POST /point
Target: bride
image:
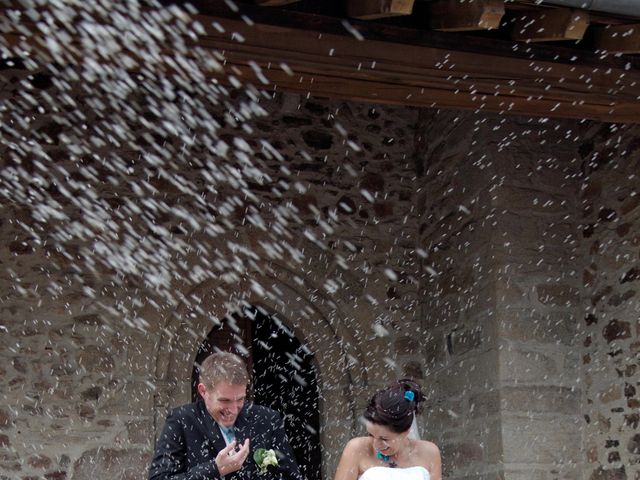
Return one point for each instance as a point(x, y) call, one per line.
point(393, 450)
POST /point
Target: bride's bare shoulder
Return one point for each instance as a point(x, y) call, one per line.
point(358, 444)
point(358, 447)
point(428, 447)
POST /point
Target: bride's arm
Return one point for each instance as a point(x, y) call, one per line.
point(349, 466)
point(435, 462)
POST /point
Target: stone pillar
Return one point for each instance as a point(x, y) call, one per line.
point(458, 301)
point(501, 296)
point(536, 246)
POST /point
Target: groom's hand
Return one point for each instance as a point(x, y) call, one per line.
point(230, 459)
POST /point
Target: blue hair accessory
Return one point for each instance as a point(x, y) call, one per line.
point(409, 395)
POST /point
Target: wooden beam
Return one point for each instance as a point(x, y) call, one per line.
point(274, 3)
point(550, 24)
point(341, 66)
point(317, 56)
point(460, 15)
point(372, 9)
point(618, 38)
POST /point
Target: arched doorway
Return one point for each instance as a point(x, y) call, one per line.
point(283, 376)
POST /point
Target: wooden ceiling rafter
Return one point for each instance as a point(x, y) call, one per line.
point(534, 22)
point(618, 38)
point(323, 62)
point(313, 55)
point(454, 16)
point(551, 25)
point(375, 9)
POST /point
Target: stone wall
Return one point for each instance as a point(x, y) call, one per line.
point(610, 326)
point(122, 248)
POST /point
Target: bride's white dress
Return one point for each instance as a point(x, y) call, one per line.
point(388, 473)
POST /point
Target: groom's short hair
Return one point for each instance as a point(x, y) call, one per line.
point(223, 366)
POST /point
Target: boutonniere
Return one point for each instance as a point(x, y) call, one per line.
point(264, 458)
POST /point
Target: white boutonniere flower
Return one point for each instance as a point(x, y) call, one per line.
point(264, 458)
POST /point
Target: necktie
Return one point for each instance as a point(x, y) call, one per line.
point(228, 433)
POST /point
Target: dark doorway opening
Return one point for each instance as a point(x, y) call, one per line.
point(283, 377)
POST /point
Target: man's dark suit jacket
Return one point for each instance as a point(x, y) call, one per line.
point(191, 440)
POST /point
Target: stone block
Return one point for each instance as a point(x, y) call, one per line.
point(379, 369)
point(474, 373)
point(383, 210)
point(492, 439)
point(611, 394)
point(511, 473)
point(95, 359)
point(616, 330)
point(462, 454)
point(465, 340)
point(632, 421)
point(56, 475)
point(6, 418)
point(592, 454)
point(543, 440)
point(92, 393)
point(558, 295)
point(139, 352)
point(66, 387)
point(484, 404)
point(602, 473)
point(317, 139)
point(566, 472)
point(126, 397)
point(618, 299)
point(334, 436)
point(412, 369)
point(634, 444)
point(513, 294)
point(443, 418)
point(334, 405)
point(522, 366)
point(540, 399)
point(408, 344)
point(124, 464)
point(339, 432)
point(526, 263)
point(442, 310)
point(630, 204)
point(140, 431)
point(529, 325)
point(40, 462)
point(435, 352)
point(87, 320)
point(532, 203)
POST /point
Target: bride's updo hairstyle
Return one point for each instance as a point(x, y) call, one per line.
point(395, 405)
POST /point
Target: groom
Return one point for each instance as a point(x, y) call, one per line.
point(216, 436)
